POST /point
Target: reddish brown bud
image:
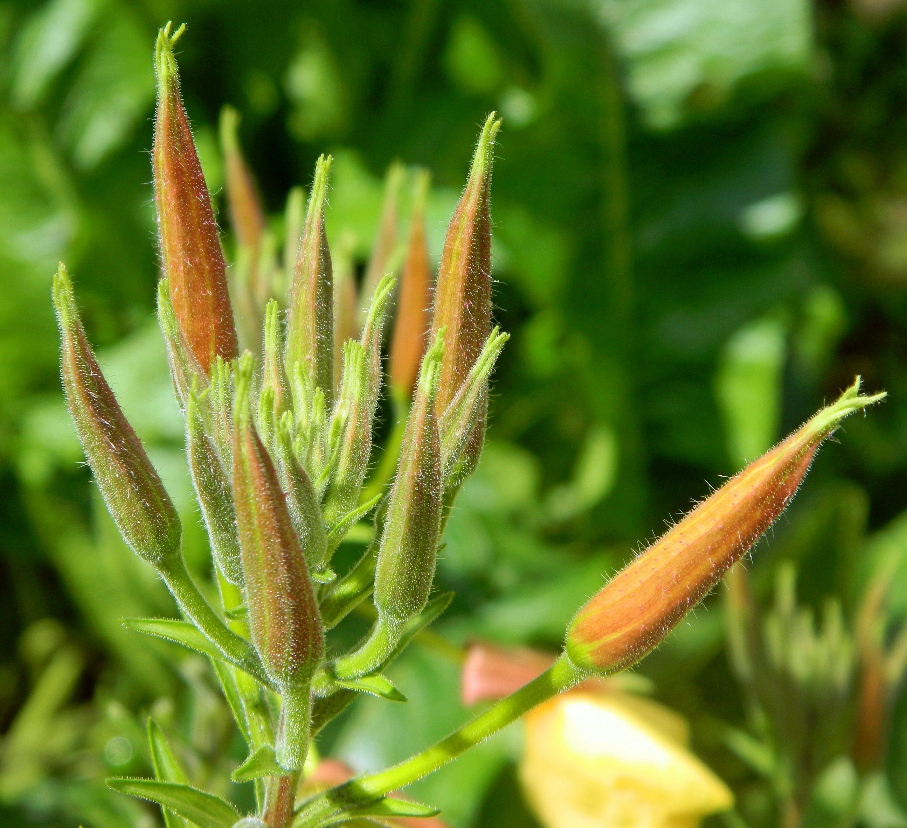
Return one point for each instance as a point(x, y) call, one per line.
point(247, 217)
point(379, 263)
point(283, 613)
point(414, 309)
point(190, 246)
point(128, 482)
point(643, 602)
point(463, 293)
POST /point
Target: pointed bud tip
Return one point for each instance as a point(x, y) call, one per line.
point(229, 126)
point(481, 162)
point(164, 61)
point(826, 420)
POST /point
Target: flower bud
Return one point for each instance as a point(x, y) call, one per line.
point(274, 394)
point(643, 602)
point(246, 214)
point(212, 488)
point(351, 424)
point(190, 246)
point(184, 368)
point(386, 239)
point(130, 486)
point(414, 307)
point(310, 332)
point(463, 293)
point(409, 543)
point(346, 313)
point(283, 613)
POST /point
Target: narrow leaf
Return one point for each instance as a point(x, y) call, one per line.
point(374, 686)
point(204, 809)
point(261, 762)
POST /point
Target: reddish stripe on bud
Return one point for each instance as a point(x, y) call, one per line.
point(414, 314)
point(463, 293)
point(190, 245)
point(131, 488)
point(283, 613)
point(643, 602)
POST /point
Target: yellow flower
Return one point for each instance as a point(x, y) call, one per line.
point(605, 759)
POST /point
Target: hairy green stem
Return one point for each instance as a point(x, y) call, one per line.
point(373, 653)
point(562, 675)
point(344, 595)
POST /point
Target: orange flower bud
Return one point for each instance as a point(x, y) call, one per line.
point(246, 214)
point(643, 602)
point(385, 239)
point(190, 246)
point(463, 293)
point(414, 313)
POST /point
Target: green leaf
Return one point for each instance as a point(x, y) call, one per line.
point(204, 809)
point(180, 632)
point(374, 686)
point(227, 679)
point(343, 525)
point(432, 610)
point(391, 808)
point(261, 762)
point(166, 767)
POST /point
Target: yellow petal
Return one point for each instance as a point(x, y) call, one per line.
point(607, 760)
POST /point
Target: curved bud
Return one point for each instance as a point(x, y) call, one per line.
point(310, 331)
point(414, 309)
point(643, 602)
point(283, 613)
point(212, 487)
point(463, 293)
point(131, 488)
point(190, 246)
point(409, 543)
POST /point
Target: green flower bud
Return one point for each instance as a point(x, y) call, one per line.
point(191, 254)
point(310, 331)
point(463, 293)
point(212, 488)
point(131, 488)
point(302, 499)
point(283, 613)
point(642, 603)
point(184, 368)
point(351, 423)
point(414, 308)
point(462, 424)
point(409, 543)
point(274, 394)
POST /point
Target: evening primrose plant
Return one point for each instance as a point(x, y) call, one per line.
point(280, 410)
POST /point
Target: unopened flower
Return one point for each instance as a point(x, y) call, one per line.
point(409, 543)
point(643, 602)
point(606, 759)
point(283, 611)
point(414, 306)
point(310, 329)
point(191, 254)
point(131, 488)
point(380, 261)
point(246, 214)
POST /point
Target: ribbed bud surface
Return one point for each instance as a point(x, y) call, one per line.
point(310, 331)
point(189, 242)
point(644, 601)
point(131, 488)
point(463, 293)
point(283, 613)
point(409, 544)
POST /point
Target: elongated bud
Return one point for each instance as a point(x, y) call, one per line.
point(212, 487)
point(190, 246)
point(346, 321)
point(247, 217)
point(310, 333)
point(302, 499)
point(294, 226)
point(463, 423)
point(463, 293)
point(351, 425)
point(409, 544)
point(274, 392)
point(414, 307)
point(184, 368)
point(386, 239)
point(283, 613)
point(644, 601)
point(130, 486)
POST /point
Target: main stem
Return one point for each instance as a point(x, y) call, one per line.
point(562, 675)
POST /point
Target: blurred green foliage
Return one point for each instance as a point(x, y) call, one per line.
point(700, 215)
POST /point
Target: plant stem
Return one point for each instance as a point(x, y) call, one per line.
point(372, 654)
point(281, 795)
point(198, 610)
point(562, 675)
